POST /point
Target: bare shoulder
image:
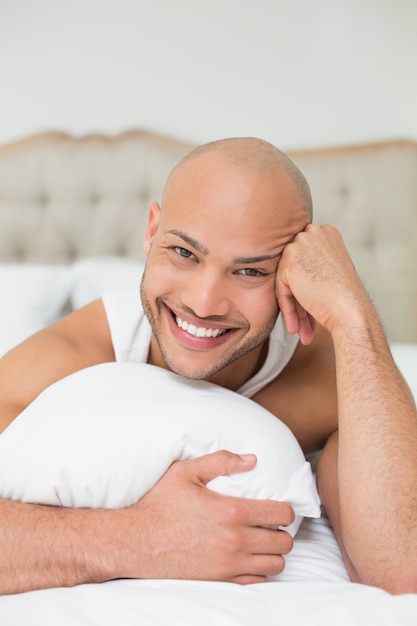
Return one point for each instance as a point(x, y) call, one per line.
point(304, 394)
point(79, 340)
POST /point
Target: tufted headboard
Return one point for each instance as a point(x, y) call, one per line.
point(63, 198)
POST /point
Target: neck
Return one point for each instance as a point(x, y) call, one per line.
point(236, 374)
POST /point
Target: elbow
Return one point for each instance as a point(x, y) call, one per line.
point(403, 584)
point(396, 581)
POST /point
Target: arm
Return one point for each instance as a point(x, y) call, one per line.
point(79, 340)
point(179, 529)
point(34, 538)
point(377, 463)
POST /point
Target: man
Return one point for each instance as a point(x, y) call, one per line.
point(232, 256)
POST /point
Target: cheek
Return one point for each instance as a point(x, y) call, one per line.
point(160, 277)
point(260, 306)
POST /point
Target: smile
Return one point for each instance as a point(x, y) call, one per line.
point(199, 331)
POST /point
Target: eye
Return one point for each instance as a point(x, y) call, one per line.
point(183, 252)
point(250, 271)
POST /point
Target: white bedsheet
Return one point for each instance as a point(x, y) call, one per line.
point(314, 590)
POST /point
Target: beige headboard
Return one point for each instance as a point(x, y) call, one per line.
point(63, 198)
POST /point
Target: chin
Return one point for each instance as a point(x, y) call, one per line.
point(190, 368)
point(191, 371)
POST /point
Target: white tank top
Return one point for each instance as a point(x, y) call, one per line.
point(131, 335)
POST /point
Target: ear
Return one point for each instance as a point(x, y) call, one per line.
point(153, 221)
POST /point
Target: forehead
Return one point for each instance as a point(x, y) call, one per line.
point(211, 198)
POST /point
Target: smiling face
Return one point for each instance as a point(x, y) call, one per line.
point(213, 250)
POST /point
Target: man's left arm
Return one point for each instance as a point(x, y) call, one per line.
point(372, 501)
point(375, 453)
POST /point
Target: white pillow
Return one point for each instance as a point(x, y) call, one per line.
point(33, 296)
point(103, 436)
point(93, 276)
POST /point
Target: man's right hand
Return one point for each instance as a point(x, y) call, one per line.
point(181, 529)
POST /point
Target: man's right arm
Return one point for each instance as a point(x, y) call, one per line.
point(30, 540)
point(79, 340)
point(179, 529)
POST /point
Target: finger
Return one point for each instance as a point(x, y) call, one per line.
point(206, 468)
point(306, 325)
point(266, 541)
point(290, 316)
point(288, 305)
point(265, 515)
point(246, 579)
point(296, 318)
point(260, 568)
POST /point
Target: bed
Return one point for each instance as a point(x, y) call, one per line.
point(72, 216)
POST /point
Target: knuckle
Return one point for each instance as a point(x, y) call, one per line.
point(230, 542)
point(232, 514)
point(227, 462)
point(224, 456)
point(226, 546)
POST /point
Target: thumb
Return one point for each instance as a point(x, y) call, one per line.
point(220, 463)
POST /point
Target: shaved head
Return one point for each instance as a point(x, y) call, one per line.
point(252, 155)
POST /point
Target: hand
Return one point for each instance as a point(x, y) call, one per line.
point(316, 281)
point(181, 529)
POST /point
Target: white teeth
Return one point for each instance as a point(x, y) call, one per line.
point(200, 331)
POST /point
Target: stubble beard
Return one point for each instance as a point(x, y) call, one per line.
point(229, 357)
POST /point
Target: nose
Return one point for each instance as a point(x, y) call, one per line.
point(207, 294)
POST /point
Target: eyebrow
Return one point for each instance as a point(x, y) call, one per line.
point(191, 242)
point(237, 260)
point(256, 259)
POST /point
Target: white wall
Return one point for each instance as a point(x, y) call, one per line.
point(299, 73)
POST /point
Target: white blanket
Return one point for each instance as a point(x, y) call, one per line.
point(313, 591)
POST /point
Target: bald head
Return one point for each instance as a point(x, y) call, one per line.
point(256, 156)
